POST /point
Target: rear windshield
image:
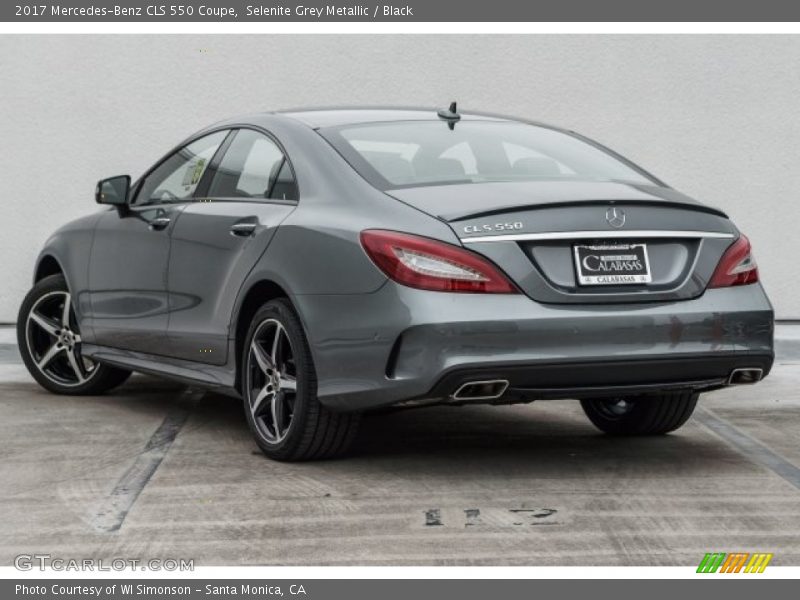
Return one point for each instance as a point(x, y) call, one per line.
point(413, 153)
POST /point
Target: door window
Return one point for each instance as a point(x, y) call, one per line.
point(176, 179)
point(253, 168)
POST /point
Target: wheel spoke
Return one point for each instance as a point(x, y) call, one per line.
point(278, 415)
point(65, 311)
point(75, 364)
point(48, 356)
point(258, 403)
point(45, 323)
point(261, 357)
point(288, 383)
point(276, 342)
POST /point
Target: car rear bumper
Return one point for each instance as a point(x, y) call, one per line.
point(399, 344)
point(603, 378)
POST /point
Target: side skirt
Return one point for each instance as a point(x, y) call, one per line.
point(220, 379)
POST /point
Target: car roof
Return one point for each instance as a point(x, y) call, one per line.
point(338, 116)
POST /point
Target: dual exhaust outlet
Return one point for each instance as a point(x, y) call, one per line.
point(745, 376)
point(492, 389)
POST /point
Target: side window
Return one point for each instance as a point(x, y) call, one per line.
point(253, 167)
point(284, 186)
point(177, 177)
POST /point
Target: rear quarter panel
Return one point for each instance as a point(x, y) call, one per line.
point(317, 250)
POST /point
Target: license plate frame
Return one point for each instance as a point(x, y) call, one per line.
point(612, 264)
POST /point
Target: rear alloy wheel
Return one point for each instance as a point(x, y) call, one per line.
point(280, 391)
point(272, 381)
point(50, 343)
point(643, 415)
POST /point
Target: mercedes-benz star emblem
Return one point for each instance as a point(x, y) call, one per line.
point(615, 217)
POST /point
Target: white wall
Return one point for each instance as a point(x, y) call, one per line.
point(717, 117)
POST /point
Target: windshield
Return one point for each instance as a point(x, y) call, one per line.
point(413, 153)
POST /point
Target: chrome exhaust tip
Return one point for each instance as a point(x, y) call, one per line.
point(481, 390)
point(745, 376)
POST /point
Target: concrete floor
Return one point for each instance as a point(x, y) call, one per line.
point(529, 485)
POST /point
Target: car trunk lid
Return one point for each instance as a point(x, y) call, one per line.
point(540, 233)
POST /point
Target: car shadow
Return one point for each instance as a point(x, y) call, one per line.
point(489, 447)
point(545, 439)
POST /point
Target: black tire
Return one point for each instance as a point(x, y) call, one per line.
point(646, 415)
point(313, 432)
point(53, 291)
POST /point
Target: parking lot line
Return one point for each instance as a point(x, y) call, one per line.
point(750, 447)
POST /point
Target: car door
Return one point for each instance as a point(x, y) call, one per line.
point(130, 252)
point(218, 238)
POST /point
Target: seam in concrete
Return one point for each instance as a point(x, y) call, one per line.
point(750, 447)
point(111, 514)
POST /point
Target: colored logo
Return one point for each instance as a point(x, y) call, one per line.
point(736, 562)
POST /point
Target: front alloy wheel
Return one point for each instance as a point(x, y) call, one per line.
point(54, 342)
point(50, 343)
point(279, 387)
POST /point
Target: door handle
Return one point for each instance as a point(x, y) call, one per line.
point(243, 229)
point(159, 223)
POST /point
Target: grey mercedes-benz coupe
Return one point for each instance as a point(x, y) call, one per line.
point(321, 263)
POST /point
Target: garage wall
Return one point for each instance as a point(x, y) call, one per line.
point(717, 117)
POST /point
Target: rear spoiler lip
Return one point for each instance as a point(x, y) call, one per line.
point(460, 216)
point(599, 234)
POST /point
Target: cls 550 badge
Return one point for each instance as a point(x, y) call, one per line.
point(489, 227)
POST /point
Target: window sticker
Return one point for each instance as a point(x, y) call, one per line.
point(194, 172)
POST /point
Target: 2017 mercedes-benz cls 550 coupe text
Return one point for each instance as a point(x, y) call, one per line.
point(318, 264)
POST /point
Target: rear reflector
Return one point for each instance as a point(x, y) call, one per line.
point(428, 264)
point(736, 267)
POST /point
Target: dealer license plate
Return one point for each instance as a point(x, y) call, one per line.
point(617, 264)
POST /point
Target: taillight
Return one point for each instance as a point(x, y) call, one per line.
point(736, 267)
point(428, 264)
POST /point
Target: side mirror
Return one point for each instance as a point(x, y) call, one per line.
point(113, 191)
